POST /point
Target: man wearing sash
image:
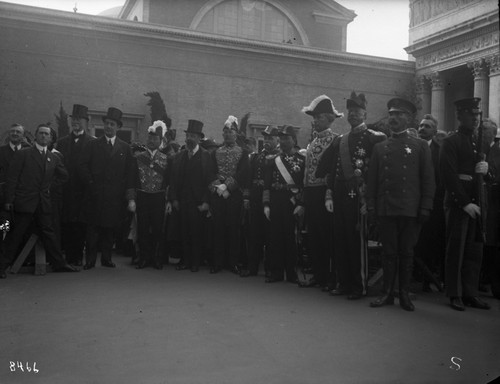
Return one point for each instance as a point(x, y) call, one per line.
point(400, 192)
point(346, 199)
point(148, 198)
point(319, 222)
point(282, 200)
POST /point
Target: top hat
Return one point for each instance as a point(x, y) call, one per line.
point(287, 130)
point(470, 105)
point(401, 105)
point(114, 114)
point(80, 112)
point(195, 126)
point(321, 104)
point(271, 130)
point(357, 101)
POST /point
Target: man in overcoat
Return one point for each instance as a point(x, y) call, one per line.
point(72, 148)
point(106, 170)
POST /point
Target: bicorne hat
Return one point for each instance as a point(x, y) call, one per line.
point(357, 101)
point(321, 104)
point(80, 112)
point(470, 105)
point(114, 114)
point(195, 126)
point(287, 130)
point(271, 130)
point(401, 105)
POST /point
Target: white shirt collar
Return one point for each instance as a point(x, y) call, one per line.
point(40, 148)
point(113, 139)
point(195, 149)
point(152, 153)
point(13, 147)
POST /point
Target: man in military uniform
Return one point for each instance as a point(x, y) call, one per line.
point(346, 199)
point(319, 222)
point(259, 226)
point(400, 191)
point(148, 198)
point(460, 167)
point(72, 147)
point(282, 200)
point(232, 168)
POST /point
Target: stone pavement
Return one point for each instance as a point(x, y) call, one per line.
point(148, 326)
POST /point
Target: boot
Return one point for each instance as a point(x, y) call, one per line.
point(405, 271)
point(387, 298)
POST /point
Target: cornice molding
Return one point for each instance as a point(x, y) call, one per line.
point(328, 18)
point(21, 16)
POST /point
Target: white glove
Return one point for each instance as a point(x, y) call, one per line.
point(131, 206)
point(221, 188)
point(267, 213)
point(481, 167)
point(472, 210)
point(329, 205)
point(299, 210)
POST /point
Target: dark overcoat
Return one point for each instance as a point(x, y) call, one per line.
point(107, 175)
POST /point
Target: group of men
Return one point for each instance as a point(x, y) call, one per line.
point(340, 186)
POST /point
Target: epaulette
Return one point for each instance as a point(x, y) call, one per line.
point(378, 133)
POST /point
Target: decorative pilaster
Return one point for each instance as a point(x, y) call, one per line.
point(481, 83)
point(494, 94)
point(438, 98)
point(423, 91)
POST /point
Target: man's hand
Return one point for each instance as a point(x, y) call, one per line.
point(481, 168)
point(221, 188)
point(329, 205)
point(168, 208)
point(225, 194)
point(472, 210)
point(267, 212)
point(203, 207)
point(131, 206)
point(299, 210)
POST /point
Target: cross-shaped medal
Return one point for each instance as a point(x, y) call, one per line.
point(352, 194)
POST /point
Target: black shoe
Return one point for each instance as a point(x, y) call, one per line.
point(66, 268)
point(405, 302)
point(338, 292)
point(158, 265)
point(244, 273)
point(354, 296)
point(141, 265)
point(88, 266)
point(457, 304)
point(475, 302)
point(108, 264)
point(180, 267)
point(195, 269)
point(3, 275)
point(214, 270)
point(235, 269)
point(385, 299)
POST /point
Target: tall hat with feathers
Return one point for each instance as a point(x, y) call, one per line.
point(321, 104)
point(158, 128)
point(231, 123)
point(357, 101)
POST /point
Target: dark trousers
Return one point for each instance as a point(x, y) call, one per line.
point(258, 238)
point(227, 225)
point(398, 235)
point(283, 256)
point(192, 233)
point(463, 254)
point(73, 237)
point(43, 224)
point(150, 211)
point(102, 237)
point(319, 224)
point(350, 249)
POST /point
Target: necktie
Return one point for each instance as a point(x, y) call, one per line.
point(190, 154)
point(110, 145)
point(15, 148)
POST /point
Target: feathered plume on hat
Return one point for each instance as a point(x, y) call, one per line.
point(158, 128)
point(357, 101)
point(231, 123)
point(321, 104)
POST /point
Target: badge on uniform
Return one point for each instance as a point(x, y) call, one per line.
point(408, 150)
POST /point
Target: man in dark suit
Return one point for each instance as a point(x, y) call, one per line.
point(33, 171)
point(400, 192)
point(190, 195)
point(72, 147)
point(106, 170)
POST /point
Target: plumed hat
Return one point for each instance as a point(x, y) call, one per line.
point(114, 114)
point(401, 105)
point(357, 101)
point(271, 130)
point(159, 128)
point(231, 123)
point(321, 104)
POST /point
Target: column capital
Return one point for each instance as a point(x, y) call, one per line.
point(437, 80)
point(478, 68)
point(493, 63)
point(422, 84)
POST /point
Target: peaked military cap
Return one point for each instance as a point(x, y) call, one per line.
point(470, 105)
point(357, 101)
point(401, 105)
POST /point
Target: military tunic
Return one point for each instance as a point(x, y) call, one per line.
point(282, 198)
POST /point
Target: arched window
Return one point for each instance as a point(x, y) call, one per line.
point(250, 19)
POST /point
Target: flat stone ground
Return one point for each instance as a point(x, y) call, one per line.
point(149, 326)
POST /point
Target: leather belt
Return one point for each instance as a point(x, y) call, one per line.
point(463, 177)
point(280, 187)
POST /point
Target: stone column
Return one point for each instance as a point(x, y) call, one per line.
point(423, 91)
point(481, 83)
point(494, 95)
point(438, 99)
